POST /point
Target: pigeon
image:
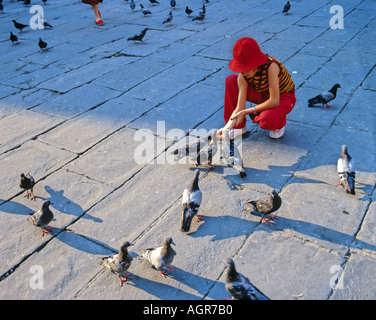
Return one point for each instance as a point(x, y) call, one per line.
point(231, 155)
point(42, 45)
point(200, 17)
point(44, 1)
point(120, 262)
point(19, 26)
point(325, 97)
point(168, 19)
point(132, 5)
point(188, 11)
point(1, 7)
point(208, 152)
point(27, 2)
point(144, 11)
point(192, 197)
point(346, 171)
point(27, 183)
point(160, 257)
point(193, 148)
point(153, 2)
point(173, 4)
point(286, 8)
point(239, 287)
point(266, 206)
point(138, 36)
point(13, 38)
point(42, 217)
point(203, 9)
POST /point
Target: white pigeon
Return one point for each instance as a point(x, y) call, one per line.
point(346, 171)
point(192, 197)
point(160, 257)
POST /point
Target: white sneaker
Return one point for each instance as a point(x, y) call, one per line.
point(237, 132)
point(276, 134)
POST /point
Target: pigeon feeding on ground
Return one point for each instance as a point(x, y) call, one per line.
point(144, 11)
point(42, 45)
point(346, 171)
point(160, 257)
point(266, 206)
point(42, 217)
point(138, 36)
point(200, 17)
point(208, 152)
point(153, 2)
point(19, 26)
point(173, 4)
point(120, 262)
point(192, 198)
point(188, 11)
point(46, 25)
point(27, 183)
point(239, 287)
point(13, 38)
point(286, 8)
point(325, 97)
point(168, 19)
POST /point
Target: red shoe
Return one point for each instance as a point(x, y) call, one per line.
point(99, 22)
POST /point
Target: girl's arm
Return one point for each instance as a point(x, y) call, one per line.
point(273, 100)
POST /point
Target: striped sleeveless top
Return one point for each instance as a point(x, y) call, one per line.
point(259, 82)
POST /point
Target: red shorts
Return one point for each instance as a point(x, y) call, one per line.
point(270, 119)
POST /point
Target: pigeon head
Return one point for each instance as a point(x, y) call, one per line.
point(344, 152)
point(46, 204)
point(169, 241)
point(125, 245)
point(273, 192)
point(22, 175)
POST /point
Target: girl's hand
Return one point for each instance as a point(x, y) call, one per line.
point(239, 116)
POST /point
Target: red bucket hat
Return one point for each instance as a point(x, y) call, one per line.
point(247, 55)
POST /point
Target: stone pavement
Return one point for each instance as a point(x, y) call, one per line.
point(76, 115)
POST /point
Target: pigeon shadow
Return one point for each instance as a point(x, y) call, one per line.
point(164, 291)
point(221, 227)
point(14, 207)
point(66, 205)
point(319, 232)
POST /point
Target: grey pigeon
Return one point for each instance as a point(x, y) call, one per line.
point(160, 257)
point(27, 183)
point(120, 262)
point(266, 206)
point(286, 8)
point(188, 11)
point(192, 148)
point(168, 19)
point(138, 36)
point(239, 287)
point(19, 26)
point(13, 38)
point(346, 171)
point(42, 217)
point(192, 197)
point(42, 45)
point(325, 97)
point(208, 152)
point(200, 17)
point(46, 25)
point(144, 11)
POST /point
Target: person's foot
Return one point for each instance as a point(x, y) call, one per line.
point(99, 22)
point(276, 134)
